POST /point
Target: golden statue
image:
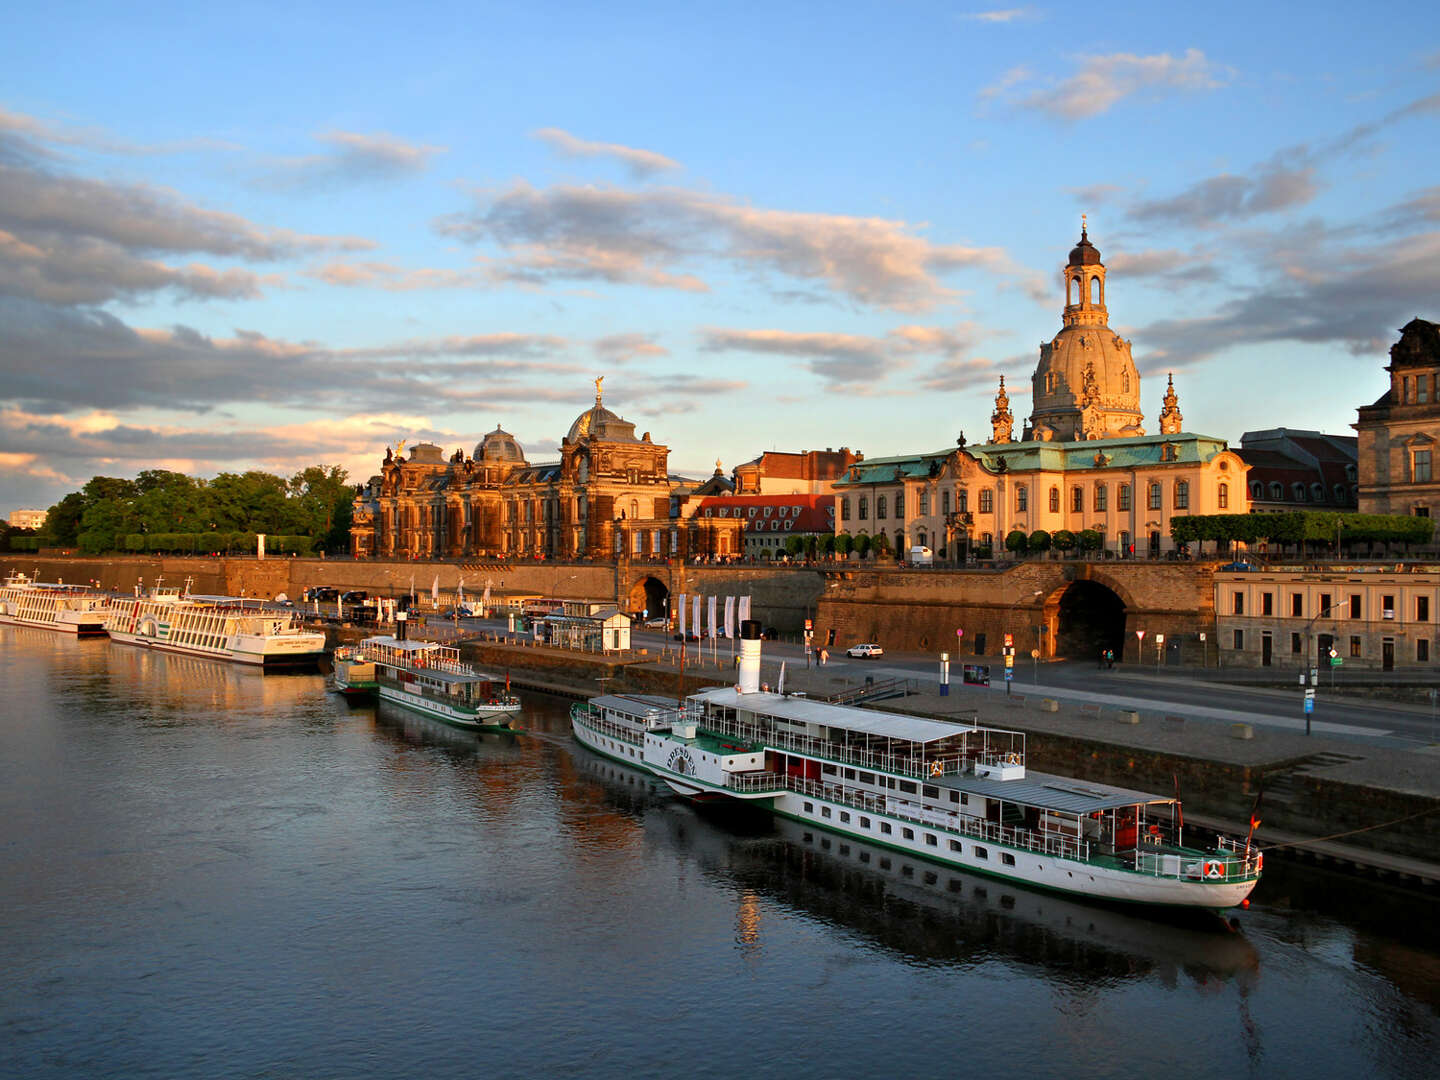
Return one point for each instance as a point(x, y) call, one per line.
point(598, 381)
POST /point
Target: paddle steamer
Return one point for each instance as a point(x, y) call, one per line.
point(70, 609)
point(218, 627)
point(954, 794)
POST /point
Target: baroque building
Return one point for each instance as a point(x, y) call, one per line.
point(609, 493)
point(1399, 435)
point(1084, 461)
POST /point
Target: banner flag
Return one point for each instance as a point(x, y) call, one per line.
point(730, 617)
point(713, 600)
point(681, 609)
point(695, 622)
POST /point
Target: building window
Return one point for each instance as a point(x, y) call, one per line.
point(987, 500)
point(924, 503)
point(1422, 649)
point(1277, 491)
point(1355, 609)
point(1022, 499)
point(1222, 496)
point(945, 502)
point(1102, 498)
point(1077, 500)
point(1182, 494)
point(1295, 643)
point(1297, 605)
point(864, 508)
point(1421, 471)
point(880, 514)
point(899, 506)
point(1239, 640)
point(1054, 500)
point(1237, 603)
point(1387, 607)
point(1257, 491)
point(1123, 497)
point(1155, 496)
point(1324, 605)
point(1267, 603)
point(1422, 389)
point(1422, 609)
point(845, 509)
point(1354, 646)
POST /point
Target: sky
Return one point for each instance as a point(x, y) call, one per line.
point(272, 236)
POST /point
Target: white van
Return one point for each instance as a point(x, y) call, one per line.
point(922, 556)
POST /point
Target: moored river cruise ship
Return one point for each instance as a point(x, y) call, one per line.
point(70, 609)
point(957, 795)
point(218, 627)
point(425, 677)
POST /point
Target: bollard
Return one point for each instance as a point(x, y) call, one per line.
point(1127, 716)
point(1049, 704)
point(1242, 731)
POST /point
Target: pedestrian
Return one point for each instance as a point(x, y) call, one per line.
point(1100, 666)
point(824, 657)
point(1109, 658)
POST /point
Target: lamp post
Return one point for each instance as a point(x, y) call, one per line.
point(1010, 639)
point(1309, 696)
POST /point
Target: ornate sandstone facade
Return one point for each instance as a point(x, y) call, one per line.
point(1399, 448)
point(609, 492)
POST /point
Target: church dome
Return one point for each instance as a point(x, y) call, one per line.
point(591, 421)
point(1084, 253)
point(500, 445)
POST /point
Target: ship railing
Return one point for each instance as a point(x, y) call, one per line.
point(756, 781)
point(1235, 862)
point(595, 719)
point(921, 768)
point(967, 825)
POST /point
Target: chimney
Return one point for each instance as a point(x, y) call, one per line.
point(401, 618)
point(749, 681)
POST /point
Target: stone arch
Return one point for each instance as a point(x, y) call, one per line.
point(1089, 618)
point(648, 594)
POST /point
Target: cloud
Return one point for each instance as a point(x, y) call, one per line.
point(855, 361)
point(392, 278)
point(1274, 187)
point(1007, 15)
point(640, 163)
point(649, 237)
point(1174, 266)
point(622, 348)
point(1104, 81)
point(352, 158)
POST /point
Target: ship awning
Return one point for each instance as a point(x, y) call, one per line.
point(799, 710)
point(1063, 794)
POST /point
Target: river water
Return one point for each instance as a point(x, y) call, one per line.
point(211, 872)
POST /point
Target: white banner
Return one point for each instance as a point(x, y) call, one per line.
point(680, 626)
point(730, 617)
point(695, 622)
point(713, 599)
point(435, 592)
point(744, 608)
point(485, 600)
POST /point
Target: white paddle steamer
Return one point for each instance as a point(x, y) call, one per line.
point(70, 609)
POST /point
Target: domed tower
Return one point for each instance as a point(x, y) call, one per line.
point(500, 446)
point(1086, 385)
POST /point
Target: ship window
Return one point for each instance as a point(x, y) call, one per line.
point(931, 841)
point(844, 817)
point(907, 787)
point(824, 811)
point(1007, 858)
point(884, 863)
point(829, 770)
point(867, 778)
point(955, 845)
point(809, 808)
point(864, 823)
point(908, 834)
point(885, 828)
point(849, 774)
point(981, 853)
point(931, 792)
point(954, 796)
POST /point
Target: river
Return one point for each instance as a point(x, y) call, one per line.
point(212, 872)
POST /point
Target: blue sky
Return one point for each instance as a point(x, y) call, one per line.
point(269, 236)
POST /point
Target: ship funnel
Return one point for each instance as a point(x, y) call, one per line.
point(401, 618)
point(749, 656)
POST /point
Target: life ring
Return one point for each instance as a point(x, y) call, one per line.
point(936, 769)
point(1213, 869)
point(1012, 759)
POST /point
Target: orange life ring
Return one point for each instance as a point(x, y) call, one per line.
point(936, 769)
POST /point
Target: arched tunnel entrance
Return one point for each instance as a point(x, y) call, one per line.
point(1091, 619)
point(649, 595)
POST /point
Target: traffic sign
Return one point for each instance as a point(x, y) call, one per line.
point(1009, 674)
point(1309, 705)
point(1140, 634)
point(1009, 660)
point(1009, 640)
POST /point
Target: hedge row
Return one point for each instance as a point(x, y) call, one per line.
point(203, 542)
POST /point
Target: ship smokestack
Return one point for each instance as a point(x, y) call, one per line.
point(749, 681)
point(401, 618)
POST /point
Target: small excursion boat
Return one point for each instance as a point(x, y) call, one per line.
point(70, 609)
point(431, 679)
point(354, 674)
point(217, 627)
point(954, 794)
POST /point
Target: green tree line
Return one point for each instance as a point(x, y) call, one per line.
point(166, 511)
point(1303, 529)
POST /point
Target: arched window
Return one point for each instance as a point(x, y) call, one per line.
point(1297, 490)
point(634, 508)
point(899, 506)
point(1257, 491)
point(1155, 496)
point(1125, 381)
point(1095, 290)
point(1102, 498)
point(1123, 497)
point(864, 508)
point(924, 503)
point(1340, 493)
point(1182, 494)
point(945, 502)
point(1054, 500)
point(923, 538)
point(1077, 499)
point(1317, 491)
point(1049, 382)
point(1222, 496)
point(1022, 499)
point(962, 500)
point(987, 500)
point(845, 508)
point(1276, 491)
point(880, 508)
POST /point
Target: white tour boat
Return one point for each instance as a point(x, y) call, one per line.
point(70, 609)
point(431, 679)
point(218, 627)
point(957, 795)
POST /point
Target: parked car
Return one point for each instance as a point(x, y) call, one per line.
point(322, 593)
point(690, 635)
point(1238, 566)
point(355, 596)
point(860, 652)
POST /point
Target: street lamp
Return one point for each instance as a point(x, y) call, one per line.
point(1315, 668)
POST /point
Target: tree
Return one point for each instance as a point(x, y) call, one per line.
point(844, 544)
point(794, 545)
point(1016, 541)
point(1064, 540)
point(863, 543)
point(1089, 540)
point(1039, 540)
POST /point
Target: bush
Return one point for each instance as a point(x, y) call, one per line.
point(1064, 540)
point(1016, 541)
point(1089, 540)
point(1039, 540)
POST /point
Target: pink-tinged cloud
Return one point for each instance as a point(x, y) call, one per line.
point(640, 163)
point(1104, 81)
